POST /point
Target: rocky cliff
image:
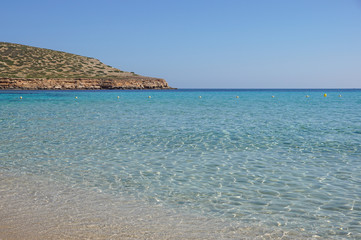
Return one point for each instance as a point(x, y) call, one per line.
point(25, 67)
point(59, 84)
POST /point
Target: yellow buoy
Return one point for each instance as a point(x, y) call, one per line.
point(118, 97)
point(200, 96)
point(237, 97)
point(76, 97)
point(325, 95)
point(273, 96)
point(307, 96)
point(149, 97)
point(340, 95)
point(21, 97)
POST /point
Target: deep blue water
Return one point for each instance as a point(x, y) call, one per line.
point(287, 161)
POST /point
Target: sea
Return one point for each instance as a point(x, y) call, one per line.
point(181, 164)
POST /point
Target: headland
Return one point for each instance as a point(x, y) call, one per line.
point(32, 68)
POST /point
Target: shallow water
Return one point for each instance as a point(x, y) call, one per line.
point(285, 164)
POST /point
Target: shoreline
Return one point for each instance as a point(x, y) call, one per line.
point(34, 207)
point(135, 82)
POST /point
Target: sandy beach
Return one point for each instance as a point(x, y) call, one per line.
point(31, 208)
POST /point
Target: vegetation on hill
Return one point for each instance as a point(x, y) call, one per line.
point(21, 61)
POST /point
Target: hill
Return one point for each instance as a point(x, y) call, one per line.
point(26, 67)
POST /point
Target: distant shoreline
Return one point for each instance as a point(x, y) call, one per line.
point(136, 82)
point(205, 89)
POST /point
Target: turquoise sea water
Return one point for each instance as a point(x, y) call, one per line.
point(287, 162)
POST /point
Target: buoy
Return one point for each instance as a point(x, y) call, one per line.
point(307, 96)
point(76, 97)
point(273, 96)
point(149, 97)
point(118, 97)
point(340, 95)
point(237, 97)
point(325, 95)
point(21, 97)
point(200, 96)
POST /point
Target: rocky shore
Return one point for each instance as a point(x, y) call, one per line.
point(136, 82)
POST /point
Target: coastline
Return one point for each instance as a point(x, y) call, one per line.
point(136, 82)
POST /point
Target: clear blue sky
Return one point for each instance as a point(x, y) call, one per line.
point(202, 43)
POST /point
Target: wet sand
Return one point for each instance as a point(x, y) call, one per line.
point(36, 208)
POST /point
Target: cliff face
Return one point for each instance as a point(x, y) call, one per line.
point(52, 84)
point(26, 67)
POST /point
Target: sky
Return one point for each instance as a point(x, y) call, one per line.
point(202, 43)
